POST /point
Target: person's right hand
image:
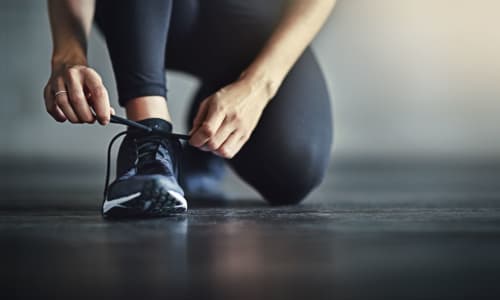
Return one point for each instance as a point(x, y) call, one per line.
point(73, 91)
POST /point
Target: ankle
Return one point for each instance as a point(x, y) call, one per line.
point(147, 107)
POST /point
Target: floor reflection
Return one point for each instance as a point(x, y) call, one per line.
point(318, 252)
point(256, 260)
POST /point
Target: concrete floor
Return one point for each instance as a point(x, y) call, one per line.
point(421, 230)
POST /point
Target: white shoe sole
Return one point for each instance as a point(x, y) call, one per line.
point(152, 201)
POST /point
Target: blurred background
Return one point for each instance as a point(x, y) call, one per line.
point(413, 80)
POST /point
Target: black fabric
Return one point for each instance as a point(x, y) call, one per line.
point(215, 40)
point(136, 33)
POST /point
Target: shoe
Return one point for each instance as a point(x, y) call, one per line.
point(201, 175)
point(146, 182)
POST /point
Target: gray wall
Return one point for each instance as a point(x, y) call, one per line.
point(408, 77)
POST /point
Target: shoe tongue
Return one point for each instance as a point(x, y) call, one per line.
point(155, 123)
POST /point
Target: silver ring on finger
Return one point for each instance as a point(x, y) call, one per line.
point(59, 93)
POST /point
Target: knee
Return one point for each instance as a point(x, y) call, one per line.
point(293, 191)
point(292, 187)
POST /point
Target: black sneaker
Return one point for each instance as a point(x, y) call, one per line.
point(146, 177)
point(201, 176)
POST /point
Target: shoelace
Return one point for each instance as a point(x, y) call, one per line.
point(147, 147)
point(146, 150)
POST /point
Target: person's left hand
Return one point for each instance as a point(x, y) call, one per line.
point(226, 119)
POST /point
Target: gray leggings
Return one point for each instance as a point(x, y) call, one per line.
point(288, 153)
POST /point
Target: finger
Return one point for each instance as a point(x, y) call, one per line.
point(209, 126)
point(51, 106)
point(113, 112)
point(98, 96)
point(60, 114)
point(62, 101)
point(231, 146)
point(77, 98)
point(200, 116)
point(221, 135)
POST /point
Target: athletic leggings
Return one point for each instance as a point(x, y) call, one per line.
point(288, 153)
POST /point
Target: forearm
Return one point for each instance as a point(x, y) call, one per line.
point(70, 22)
point(299, 25)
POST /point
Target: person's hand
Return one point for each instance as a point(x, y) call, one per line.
point(73, 91)
point(226, 119)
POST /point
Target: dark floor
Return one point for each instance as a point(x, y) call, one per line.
point(423, 230)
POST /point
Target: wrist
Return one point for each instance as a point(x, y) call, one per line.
point(68, 58)
point(262, 82)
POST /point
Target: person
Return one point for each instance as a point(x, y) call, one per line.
point(262, 106)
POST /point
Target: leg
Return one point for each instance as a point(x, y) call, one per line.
point(147, 170)
point(293, 139)
point(136, 35)
point(291, 143)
